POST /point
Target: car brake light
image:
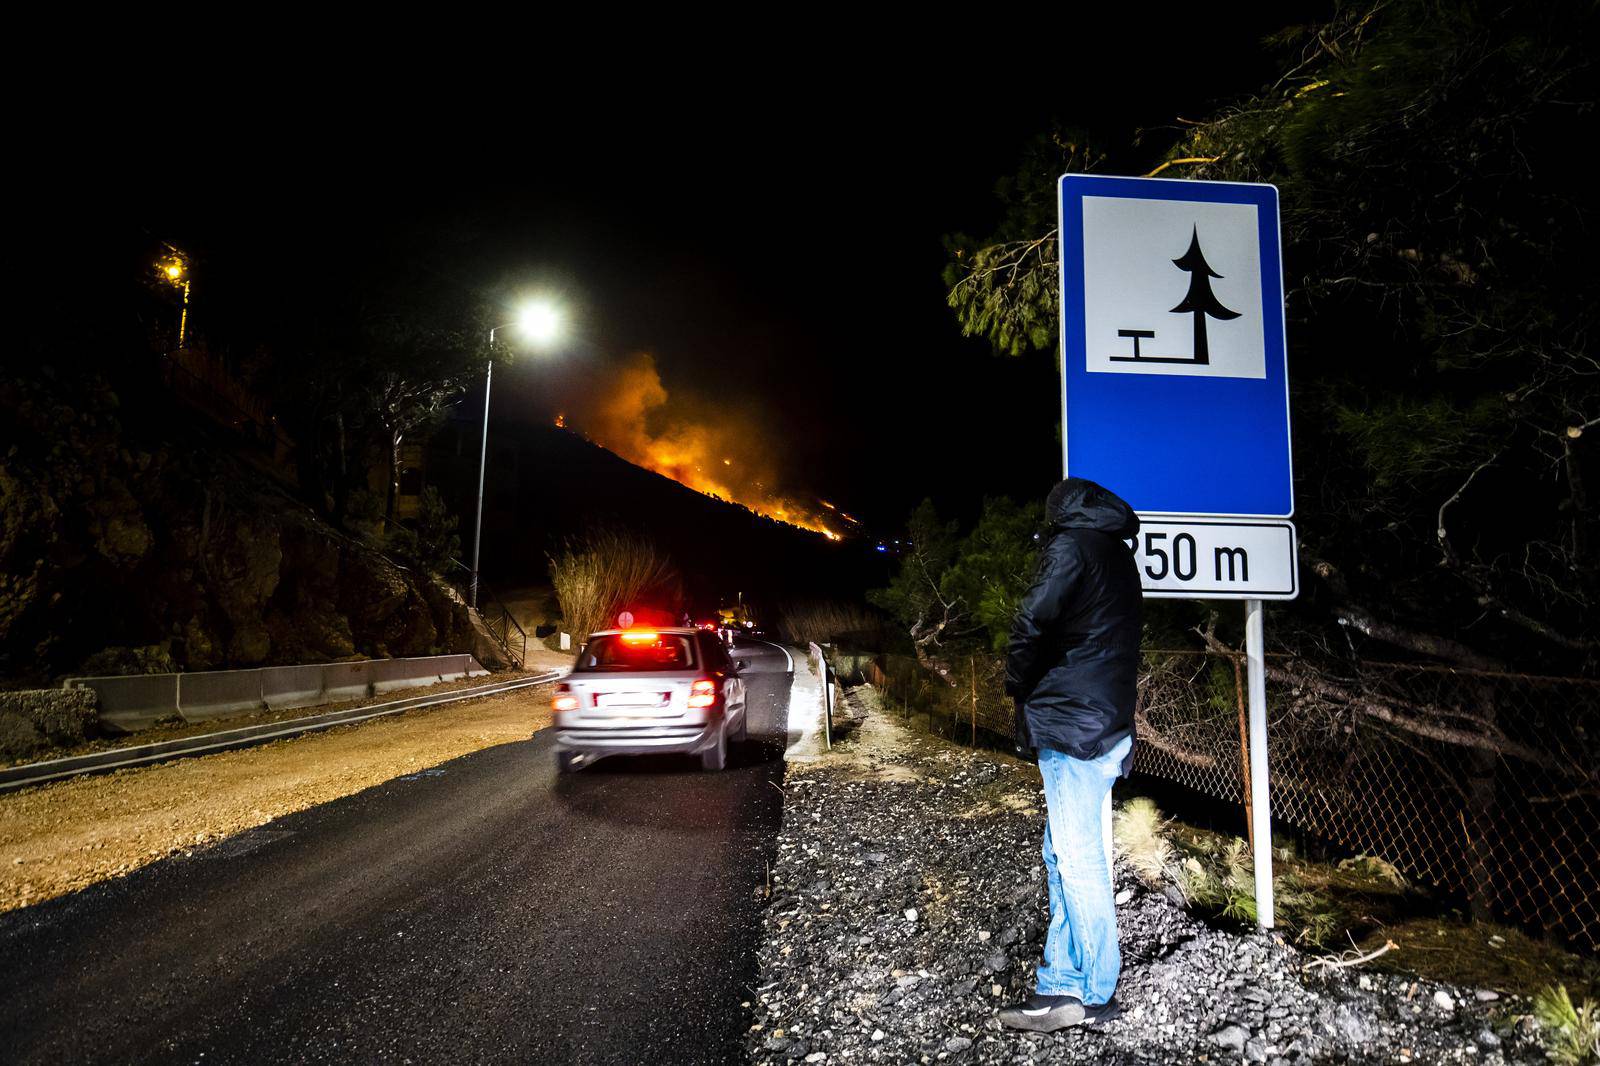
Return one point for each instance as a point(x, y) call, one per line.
point(564, 699)
point(641, 636)
point(703, 693)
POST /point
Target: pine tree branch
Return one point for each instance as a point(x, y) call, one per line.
point(1489, 740)
point(1364, 621)
point(1186, 159)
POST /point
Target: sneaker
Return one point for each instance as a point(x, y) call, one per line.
point(1046, 1014)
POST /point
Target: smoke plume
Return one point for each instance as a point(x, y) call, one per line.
point(699, 443)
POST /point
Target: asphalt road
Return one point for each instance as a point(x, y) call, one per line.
point(485, 910)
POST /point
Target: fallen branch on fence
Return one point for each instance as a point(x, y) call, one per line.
point(1344, 961)
point(1566, 797)
point(1490, 741)
point(1149, 734)
point(1354, 615)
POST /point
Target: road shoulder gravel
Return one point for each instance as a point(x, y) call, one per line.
point(907, 904)
point(61, 837)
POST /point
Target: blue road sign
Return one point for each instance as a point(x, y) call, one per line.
point(1175, 385)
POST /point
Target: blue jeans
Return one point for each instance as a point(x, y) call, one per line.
point(1081, 956)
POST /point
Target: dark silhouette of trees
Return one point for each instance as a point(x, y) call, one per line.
point(1442, 306)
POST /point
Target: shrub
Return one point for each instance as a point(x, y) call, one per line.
point(1571, 1033)
point(1139, 832)
point(597, 574)
point(432, 542)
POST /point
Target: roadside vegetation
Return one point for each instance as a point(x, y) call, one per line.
point(600, 572)
point(1442, 309)
point(1356, 908)
point(430, 542)
point(1432, 690)
point(825, 621)
point(1572, 1032)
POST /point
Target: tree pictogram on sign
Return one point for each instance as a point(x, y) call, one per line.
point(1200, 301)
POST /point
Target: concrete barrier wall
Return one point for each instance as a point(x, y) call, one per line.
point(346, 681)
point(138, 701)
point(132, 702)
point(390, 674)
point(293, 686)
point(211, 694)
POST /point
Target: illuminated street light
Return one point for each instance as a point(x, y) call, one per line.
point(175, 268)
point(541, 323)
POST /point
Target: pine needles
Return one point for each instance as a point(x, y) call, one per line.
point(1571, 1033)
point(1139, 833)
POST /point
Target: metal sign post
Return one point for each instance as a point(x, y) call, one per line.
point(1175, 395)
point(1255, 639)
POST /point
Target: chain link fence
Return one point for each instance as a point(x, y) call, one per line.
point(1484, 785)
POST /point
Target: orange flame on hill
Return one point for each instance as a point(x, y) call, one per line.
point(709, 451)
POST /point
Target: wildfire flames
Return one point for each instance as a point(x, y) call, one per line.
point(709, 452)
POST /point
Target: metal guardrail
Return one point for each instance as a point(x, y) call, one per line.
point(39, 773)
point(819, 666)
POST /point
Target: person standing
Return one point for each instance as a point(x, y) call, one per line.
point(1072, 671)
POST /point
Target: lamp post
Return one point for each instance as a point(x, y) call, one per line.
point(175, 268)
point(540, 323)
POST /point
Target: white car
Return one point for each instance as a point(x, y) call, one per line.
point(636, 691)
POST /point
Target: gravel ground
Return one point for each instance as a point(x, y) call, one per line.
point(64, 836)
point(907, 904)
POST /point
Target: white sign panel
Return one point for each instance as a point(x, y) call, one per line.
point(1172, 287)
point(1216, 559)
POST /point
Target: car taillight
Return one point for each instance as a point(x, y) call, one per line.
point(703, 693)
point(564, 699)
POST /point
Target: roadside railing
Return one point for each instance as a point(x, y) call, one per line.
point(824, 671)
point(497, 617)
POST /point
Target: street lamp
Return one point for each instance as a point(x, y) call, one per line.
point(540, 322)
point(175, 268)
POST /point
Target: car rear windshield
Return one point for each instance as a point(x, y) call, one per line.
point(661, 651)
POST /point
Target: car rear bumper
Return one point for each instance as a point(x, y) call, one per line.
point(635, 737)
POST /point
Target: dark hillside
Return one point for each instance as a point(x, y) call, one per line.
point(546, 484)
point(132, 540)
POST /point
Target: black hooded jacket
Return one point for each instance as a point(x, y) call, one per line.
point(1073, 659)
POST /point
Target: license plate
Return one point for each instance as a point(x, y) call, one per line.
point(631, 699)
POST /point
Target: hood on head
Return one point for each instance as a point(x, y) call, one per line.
point(1078, 503)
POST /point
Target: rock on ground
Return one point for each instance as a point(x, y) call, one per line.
point(908, 903)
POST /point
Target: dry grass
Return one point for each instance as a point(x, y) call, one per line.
point(599, 573)
point(1216, 874)
point(825, 621)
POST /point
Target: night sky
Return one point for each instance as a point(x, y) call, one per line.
point(769, 231)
